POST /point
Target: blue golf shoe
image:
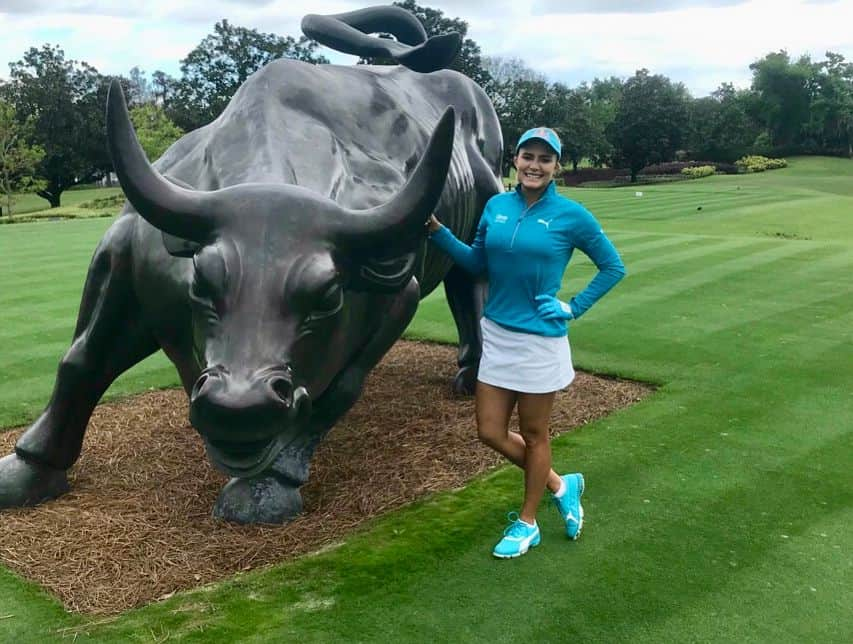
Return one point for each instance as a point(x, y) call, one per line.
point(569, 504)
point(518, 538)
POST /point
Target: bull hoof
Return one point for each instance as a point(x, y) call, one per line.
point(263, 499)
point(24, 483)
point(465, 382)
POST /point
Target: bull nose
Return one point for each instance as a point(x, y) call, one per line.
point(209, 380)
point(281, 387)
point(222, 404)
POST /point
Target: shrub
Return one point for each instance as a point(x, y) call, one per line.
point(104, 203)
point(585, 175)
point(758, 163)
point(762, 143)
point(699, 171)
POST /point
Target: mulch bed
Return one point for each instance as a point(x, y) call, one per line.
point(137, 523)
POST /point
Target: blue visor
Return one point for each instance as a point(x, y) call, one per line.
point(545, 134)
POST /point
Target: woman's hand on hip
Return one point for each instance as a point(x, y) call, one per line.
point(550, 308)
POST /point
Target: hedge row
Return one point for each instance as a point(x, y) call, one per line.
point(676, 167)
point(585, 175)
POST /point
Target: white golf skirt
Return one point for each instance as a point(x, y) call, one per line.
point(524, 362)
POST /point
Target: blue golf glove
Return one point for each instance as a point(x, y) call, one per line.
point(550, 308)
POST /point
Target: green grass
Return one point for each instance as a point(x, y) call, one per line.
point(718, 509)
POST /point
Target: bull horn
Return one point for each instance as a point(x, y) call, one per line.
point(164, 205)
point(395, 226)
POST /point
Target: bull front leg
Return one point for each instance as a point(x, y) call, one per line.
point(108, 340)
point(273, 496)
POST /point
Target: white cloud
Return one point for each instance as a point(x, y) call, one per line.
point(699, 42)
point(707, 46)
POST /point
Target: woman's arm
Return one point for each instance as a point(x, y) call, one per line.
point(472, 258)
point(610, 269)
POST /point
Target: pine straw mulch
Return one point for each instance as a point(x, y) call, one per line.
point(137, 523)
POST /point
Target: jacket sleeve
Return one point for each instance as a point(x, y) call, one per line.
point(595, 244)
point(472, 258)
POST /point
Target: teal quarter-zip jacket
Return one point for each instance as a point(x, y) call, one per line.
point(524, 253)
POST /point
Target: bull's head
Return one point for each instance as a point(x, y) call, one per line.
point(273, 268)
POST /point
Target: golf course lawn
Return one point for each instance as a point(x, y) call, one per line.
point(718, 509)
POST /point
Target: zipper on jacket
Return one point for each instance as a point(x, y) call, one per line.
point(518, 223)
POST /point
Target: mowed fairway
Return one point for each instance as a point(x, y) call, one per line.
point(719, 509)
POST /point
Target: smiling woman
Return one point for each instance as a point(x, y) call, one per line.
point(524, 242)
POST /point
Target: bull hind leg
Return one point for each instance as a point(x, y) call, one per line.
point(273, 496)
point(466, 297)
point(108, 340)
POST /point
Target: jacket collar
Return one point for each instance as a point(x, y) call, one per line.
point(550, 191)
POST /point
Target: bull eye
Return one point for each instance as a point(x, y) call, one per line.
point(209, 277)
point(328, 304)
point(202, 293)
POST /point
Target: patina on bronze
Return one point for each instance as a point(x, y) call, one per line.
point(274, 255)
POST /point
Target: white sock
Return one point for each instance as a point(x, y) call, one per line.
point(529, 525)
point(562, 489)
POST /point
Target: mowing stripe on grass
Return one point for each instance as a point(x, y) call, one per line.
point(661, 243)
point(672, 289)
point(691, 251)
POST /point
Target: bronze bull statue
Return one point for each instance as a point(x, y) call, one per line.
point(275, 255)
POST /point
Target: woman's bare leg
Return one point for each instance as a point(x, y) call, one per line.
point(534, 415)
point(494, 407)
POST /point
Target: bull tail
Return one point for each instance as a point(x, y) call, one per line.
point(350, 33)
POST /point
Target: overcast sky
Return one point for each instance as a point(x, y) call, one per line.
point(701, 43)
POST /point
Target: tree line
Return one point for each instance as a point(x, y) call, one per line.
point(52, 108)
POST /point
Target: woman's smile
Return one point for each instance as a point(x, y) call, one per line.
point(535, 164)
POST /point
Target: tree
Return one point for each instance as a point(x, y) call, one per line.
point(784, 91)
point(139, 89)
point(508, 70)
point(511, 82)
point(220, 63)
point(154, 129)
point(604, 96)
point(831, 112)
point(721, 128)
point(65, 99)
point(18, 160)
point(162, 87)
point(519, 106)
point(569, 113)
point(650, 121)
point(468, 62)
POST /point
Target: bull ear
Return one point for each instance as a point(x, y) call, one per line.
point(178, 246)
point(388, 275)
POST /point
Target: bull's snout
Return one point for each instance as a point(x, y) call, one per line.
point(225, 407)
